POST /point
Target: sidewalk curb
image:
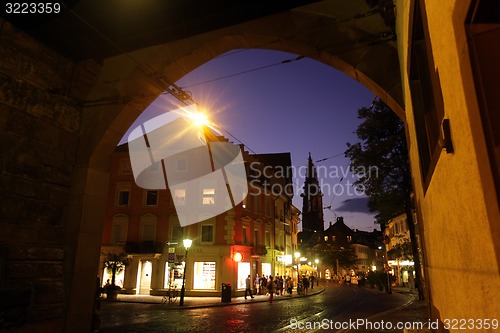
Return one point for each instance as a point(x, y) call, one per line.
point(175, 306)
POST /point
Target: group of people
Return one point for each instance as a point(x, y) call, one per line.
point(275, 286)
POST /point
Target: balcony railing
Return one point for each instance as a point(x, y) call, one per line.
point(259, 250)
point(143, 247)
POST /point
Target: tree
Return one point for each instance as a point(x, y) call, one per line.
point(115, 263)
point(332, 254)
point(380, 160)
point(401, 251)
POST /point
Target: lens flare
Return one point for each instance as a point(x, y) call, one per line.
point(200, 119)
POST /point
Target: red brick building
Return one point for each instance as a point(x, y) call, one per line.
point(257, 236)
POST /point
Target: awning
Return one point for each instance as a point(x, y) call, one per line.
point(306, 268)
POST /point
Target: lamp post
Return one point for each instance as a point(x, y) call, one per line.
point(316, 261)
point(187, 244)
point(297, 256)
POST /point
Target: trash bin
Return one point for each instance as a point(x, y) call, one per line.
point(226, 292)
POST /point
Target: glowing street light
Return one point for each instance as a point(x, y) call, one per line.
point(187, 244)
point(297, 256)
point(316, 261)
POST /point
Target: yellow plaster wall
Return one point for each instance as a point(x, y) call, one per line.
point(460, 258)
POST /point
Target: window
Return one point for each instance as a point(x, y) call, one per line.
point(209, 196)
point(173, 275)
point(117, 234)
point(268, 239)
point(243, 272)
point(148, 232)
point(256, 204)
point(256, 237)
point(426, 95)
point(125, 166)
point(119, 229)
point(204, 275)
point(148, 228)
point(349, 239)
point(179, 196)
point(207, 233)
point(326, 238)
point(267, 205)
point(176, 231)
point(123, 198)
point(244, 235)
point(333, 238)
point(151, 198)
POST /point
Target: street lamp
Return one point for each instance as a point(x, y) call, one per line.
point(316, 261)
point(297, 256)
point(187, 244)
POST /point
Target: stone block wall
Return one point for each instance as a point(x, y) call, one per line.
point(39, 126)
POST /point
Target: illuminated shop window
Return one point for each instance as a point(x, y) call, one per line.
point(243, 272)
point(204, 275)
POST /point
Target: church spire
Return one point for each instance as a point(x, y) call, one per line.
point(311, 170)
point(312, 206)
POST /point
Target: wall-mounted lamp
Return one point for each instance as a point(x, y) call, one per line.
point(237, 257)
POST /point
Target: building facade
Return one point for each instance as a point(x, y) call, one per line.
point(254, 237)
point(65, 104)
point(398, 249)
point(345, 251)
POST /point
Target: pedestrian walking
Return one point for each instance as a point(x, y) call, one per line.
point(256, 283)
point(270, 288)
point(248, 288)
point(305, 283)
point(289, 286)
point(263, 285)
point(411, 280)
point(279, 282)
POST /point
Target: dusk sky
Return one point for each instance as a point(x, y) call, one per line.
point(298, 107)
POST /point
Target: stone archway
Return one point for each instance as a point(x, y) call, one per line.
point(43, 122)
point(125, 85)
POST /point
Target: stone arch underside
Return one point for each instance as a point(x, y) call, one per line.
point(125, 85)
point(362, 48)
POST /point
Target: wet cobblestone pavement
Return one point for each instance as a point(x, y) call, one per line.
point(322, 311)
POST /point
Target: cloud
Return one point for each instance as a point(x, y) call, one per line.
point(357, 205)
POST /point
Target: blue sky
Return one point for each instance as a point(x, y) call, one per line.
point(298, 107)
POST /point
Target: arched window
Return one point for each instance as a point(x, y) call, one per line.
point(119, 228)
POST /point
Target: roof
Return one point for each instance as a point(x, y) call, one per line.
point(282, 163)
point(276, 159)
